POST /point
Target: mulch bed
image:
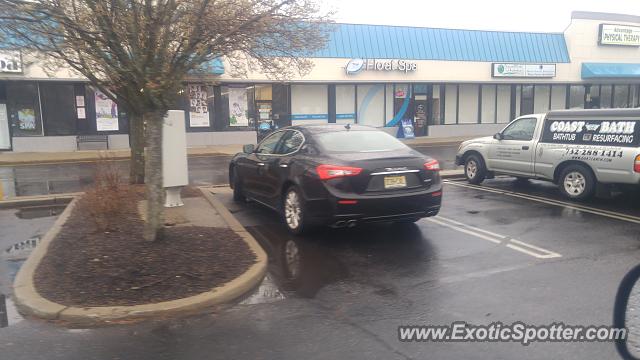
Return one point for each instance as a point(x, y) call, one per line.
point(86, 267)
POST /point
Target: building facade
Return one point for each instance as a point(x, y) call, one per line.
point(447, 82)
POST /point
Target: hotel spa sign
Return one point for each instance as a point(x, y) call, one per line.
point(624, 35)
point(355, 66)
point(10, 61)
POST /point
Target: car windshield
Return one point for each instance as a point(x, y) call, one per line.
point(358, 141)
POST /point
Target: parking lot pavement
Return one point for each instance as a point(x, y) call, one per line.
point(493, 254)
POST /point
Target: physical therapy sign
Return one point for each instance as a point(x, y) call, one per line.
point(625, 35)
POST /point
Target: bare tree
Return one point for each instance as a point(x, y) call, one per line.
point(138, 52)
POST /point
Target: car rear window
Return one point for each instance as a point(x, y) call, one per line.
point(358, 141)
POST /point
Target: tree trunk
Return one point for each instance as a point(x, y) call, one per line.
point(153, 176)
point(136, 135)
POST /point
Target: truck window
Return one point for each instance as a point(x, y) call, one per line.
point(521, 129)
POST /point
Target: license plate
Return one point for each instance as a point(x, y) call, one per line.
point(393, 182)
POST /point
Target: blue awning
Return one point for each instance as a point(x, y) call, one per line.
point(610, 70)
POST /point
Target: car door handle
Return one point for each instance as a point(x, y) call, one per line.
point(260, 164)
point(525, 147)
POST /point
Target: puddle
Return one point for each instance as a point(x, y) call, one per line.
point(267, 292)
point(34, 212)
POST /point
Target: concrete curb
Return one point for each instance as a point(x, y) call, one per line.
point(54, 199)
point(30, 302)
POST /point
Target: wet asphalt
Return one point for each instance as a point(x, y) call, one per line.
point(25, 180)
point(507, 251)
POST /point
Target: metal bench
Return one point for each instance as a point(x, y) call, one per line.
point(84, 139)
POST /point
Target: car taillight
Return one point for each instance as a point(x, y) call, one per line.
point(326, 172)
point(432, 165)
point(636, 164)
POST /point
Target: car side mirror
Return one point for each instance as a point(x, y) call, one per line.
point(498, 136)
point(248, 149)
point(626, 315)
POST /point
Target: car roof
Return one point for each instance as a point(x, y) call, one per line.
point(324, 128)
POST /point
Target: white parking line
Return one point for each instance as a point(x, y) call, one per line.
point(583, 208)
point(495, 238)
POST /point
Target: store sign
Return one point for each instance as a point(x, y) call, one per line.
point(10, 61)
point(523, 70)
point(355, 66)
point(624, 35)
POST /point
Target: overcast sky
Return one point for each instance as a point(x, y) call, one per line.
point(516, 15)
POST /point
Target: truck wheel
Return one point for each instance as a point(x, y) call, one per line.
point(577, 182)
point(474, 169)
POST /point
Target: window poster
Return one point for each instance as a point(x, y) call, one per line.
point(27, 119)
point(198, 109)
point(106, 113)
point(238, 107)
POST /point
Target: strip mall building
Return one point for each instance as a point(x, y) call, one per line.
point(448, 82)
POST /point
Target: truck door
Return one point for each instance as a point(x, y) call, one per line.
point(514, 153)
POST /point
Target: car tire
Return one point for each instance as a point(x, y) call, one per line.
point(577, 182)
point(474, 169)
point(238, 193)
point(293, 211)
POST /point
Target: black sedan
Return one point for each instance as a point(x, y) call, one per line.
point(337, 175)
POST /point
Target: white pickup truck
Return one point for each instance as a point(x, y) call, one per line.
point(576, 149)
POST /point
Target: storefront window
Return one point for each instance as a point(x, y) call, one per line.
point(488, 112)
point(621, 96)
point(576, 97)
point(238, 106)
point(264, 103)
point(371, 105)
point(541, 98)
point(436, 119)
point(388, 106)
point(558, 97)
point(58, 108)
point(345, 104)
point(24, 108)
point(526, 105)
point(402, 103)
point(451, 104)
point(605, 96)
point(503, 109)
point(468, 111)
point(309, 104)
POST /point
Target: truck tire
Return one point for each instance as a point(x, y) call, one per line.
point(577, 182)
point(474, 169)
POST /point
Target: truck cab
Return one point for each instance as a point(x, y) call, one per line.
point(577, 149)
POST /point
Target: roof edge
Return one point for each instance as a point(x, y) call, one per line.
point(589, 15)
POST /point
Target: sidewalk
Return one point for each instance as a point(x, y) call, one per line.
point(17, 158)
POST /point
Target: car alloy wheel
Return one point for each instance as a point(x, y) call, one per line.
point(292, 210)
point(574, 183)
point(292, 259)
point(472, 169)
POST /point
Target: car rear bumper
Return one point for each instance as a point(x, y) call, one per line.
point(374, 208)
